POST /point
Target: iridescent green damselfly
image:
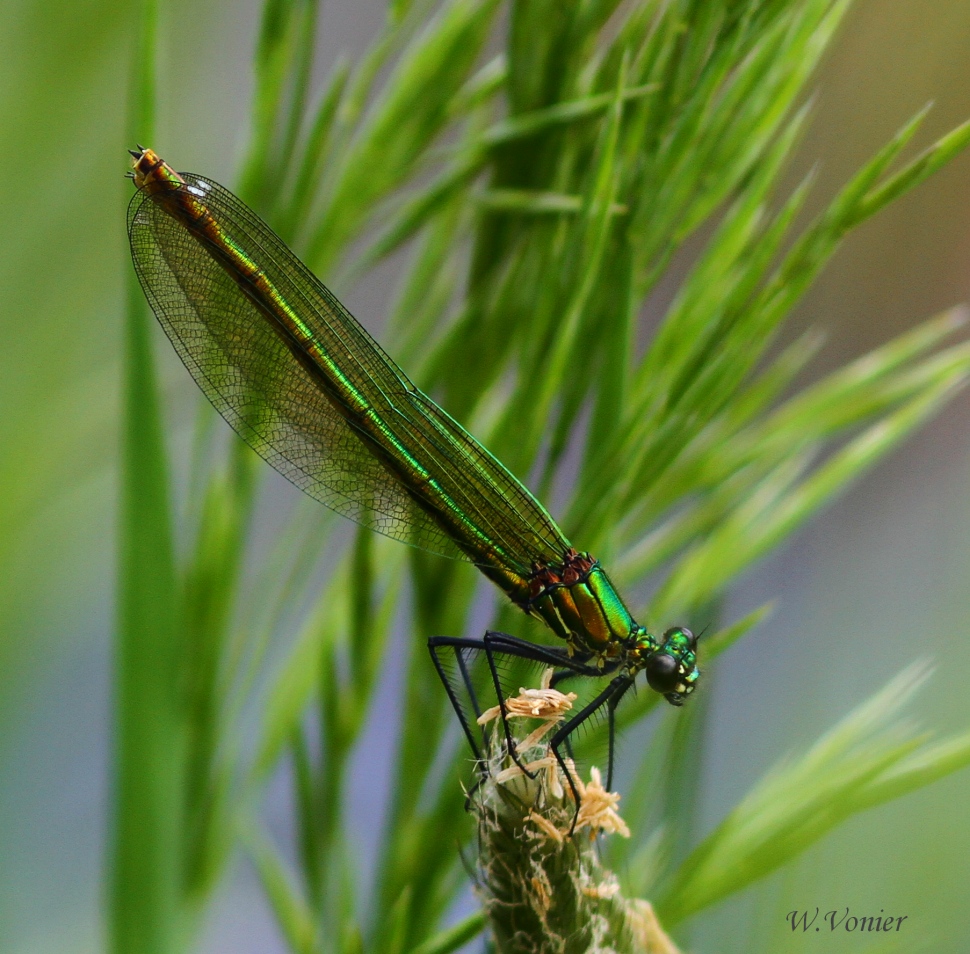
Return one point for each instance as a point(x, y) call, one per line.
point(307, 388)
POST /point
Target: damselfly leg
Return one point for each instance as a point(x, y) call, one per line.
point(451, 656)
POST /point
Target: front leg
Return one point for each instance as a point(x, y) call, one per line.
point(611, 715)
point(609, 697)
point(500, 695)
point(494, 644)
point(595, 670)
point(581, 666)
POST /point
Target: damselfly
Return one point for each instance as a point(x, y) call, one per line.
point(310, 391)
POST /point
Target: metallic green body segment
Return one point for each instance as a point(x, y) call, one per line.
point(589, 614)
point(618, 618)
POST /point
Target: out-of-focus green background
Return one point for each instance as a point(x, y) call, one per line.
point(879, 579)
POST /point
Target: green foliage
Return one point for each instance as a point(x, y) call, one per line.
point(542, 194)
point(146, 863)
point(870, 757)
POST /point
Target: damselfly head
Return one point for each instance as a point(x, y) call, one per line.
point(671, 665)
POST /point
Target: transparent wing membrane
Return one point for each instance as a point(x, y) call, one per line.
point(272, 396)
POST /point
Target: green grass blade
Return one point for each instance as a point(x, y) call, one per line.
point(293, 914)
point(319, 147)
point(412, 111)
point(282, 64)
point(146, 875)
point(917, 171)
point(455, 937)
point(784, 501)
point(870, 756)
point(210, 589)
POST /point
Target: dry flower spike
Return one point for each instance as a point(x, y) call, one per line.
point(543, 884)
point(542, 703)
point(597, 806)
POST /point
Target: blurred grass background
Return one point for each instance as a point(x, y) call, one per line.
point(885, 567)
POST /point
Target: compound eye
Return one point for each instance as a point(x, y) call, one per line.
point(663, 672)
point(683, 633)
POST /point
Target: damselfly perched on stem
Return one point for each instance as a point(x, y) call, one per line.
point(311, 392)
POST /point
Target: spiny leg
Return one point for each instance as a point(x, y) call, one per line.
point(584, 668)
point(435, 643)
point(469, 685)
point(617, 684)
point(581, 666)
point(456, 645)
point(611, 717)
point(533, 652)
point(509, 741)
point(562, 660)
point(495, 642)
